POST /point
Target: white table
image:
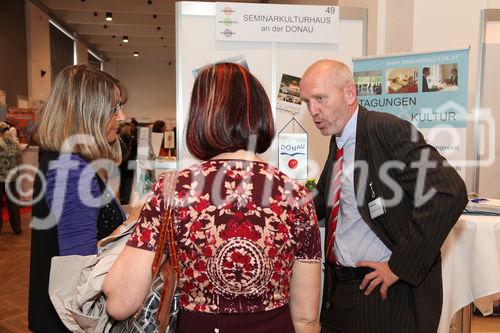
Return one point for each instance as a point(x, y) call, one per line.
point(446, 87)
point(471, 266)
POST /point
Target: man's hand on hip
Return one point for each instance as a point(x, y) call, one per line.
point(381, 274)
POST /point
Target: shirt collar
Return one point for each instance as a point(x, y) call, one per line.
point(349, 130)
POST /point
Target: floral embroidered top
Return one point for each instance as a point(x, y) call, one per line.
point(239, 226)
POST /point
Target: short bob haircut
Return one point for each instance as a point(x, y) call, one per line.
point(82, 101)
point(229, 111)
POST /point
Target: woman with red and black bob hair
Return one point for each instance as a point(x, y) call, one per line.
point(225, 115)
point(247, 239)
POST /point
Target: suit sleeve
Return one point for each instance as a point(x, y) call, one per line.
point(419, 246)
point(322, 186)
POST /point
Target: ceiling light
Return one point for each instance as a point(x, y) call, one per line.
point(125, 39)
point(109, 16)
point(136, 54)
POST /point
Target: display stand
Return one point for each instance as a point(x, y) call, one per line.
point(196, 46)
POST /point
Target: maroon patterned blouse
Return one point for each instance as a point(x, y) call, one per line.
point(239, 226)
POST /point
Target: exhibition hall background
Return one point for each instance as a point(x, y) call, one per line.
point(393, 26)
point(31, 51)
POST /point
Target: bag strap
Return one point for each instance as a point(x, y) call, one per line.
point(167, 225)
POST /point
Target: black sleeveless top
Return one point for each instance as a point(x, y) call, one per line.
point(42, 317)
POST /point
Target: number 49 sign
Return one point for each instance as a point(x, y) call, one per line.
point(276, 23)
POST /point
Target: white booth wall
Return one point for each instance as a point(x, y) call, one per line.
point(197, 47)
point(489, 175)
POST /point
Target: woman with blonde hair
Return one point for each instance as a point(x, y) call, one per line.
point(10, 152)
point(73, 208)
point(246, 236)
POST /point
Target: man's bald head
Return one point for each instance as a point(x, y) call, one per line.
point(328, 89)
point(338, 72)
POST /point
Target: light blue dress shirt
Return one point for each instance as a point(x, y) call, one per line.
point(354, 240)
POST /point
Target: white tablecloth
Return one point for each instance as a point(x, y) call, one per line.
point(471, 266)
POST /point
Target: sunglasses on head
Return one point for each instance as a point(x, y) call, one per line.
point(117, 107)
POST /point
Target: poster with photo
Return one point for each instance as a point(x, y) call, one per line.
point(424, 89)
point(402, 80)
point(293, 155)
point(368, 83)
point(441, 77)
point(289, 94)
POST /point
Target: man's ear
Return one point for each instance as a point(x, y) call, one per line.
point(350, 94)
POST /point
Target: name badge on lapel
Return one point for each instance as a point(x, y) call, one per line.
point(376, 206)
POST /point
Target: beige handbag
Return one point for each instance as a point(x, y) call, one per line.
point(75, 285)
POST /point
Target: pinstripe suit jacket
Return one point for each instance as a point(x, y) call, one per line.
point(413, 234)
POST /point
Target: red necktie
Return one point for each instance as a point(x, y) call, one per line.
point(332, 224)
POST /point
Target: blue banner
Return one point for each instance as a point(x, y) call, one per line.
point(427, 89)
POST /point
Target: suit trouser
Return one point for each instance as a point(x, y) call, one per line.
point(346, 309)
point(12, 207)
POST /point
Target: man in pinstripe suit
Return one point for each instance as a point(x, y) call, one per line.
point(397, 201)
